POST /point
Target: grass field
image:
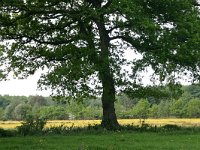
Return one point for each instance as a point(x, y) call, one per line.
point(83, 123)
point(105, 141)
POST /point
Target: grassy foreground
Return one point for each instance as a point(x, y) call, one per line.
point(167, 137)
point(105, 141)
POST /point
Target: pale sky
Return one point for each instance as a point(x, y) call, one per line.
point(24, 87)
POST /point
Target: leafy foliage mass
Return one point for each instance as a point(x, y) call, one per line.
point(76, 39)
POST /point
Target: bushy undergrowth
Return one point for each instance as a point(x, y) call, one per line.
point(32, 126)
point(7, 133)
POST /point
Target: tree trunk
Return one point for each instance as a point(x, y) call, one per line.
point(109, 120)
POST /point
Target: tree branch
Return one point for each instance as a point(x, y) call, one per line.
point(196, 3)
point(135, 43)
point(107, 4)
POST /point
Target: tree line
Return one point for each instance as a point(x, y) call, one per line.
point(21, 107)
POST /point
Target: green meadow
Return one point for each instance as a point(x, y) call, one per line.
point(106, 141)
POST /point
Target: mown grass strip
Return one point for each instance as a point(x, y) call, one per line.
point(105, 141)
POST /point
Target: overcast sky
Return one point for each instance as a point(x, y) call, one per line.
point(24, 87)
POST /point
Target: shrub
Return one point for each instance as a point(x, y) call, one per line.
point(32, 126)
point(171, 127)
point(56, 130)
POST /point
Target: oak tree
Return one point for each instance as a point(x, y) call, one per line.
point(83, 43)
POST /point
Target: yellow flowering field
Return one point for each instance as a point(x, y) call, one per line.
point(83, 123)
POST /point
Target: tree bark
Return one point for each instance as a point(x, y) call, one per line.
point(109, 120)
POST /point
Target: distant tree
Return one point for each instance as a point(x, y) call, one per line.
point(53, 112)
point(193, 108)
point(193, 90)
point(37, 101)
point(1, 113)
point(21, 111)
point(96, 103)
point(8, 113)
point(120, 109)
point(15, 98)
point(164, 109)
point(126, 101)
point(4, 102)
point(153, 111)
point(83, 42)
point(179, 108)
point(141, 109)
